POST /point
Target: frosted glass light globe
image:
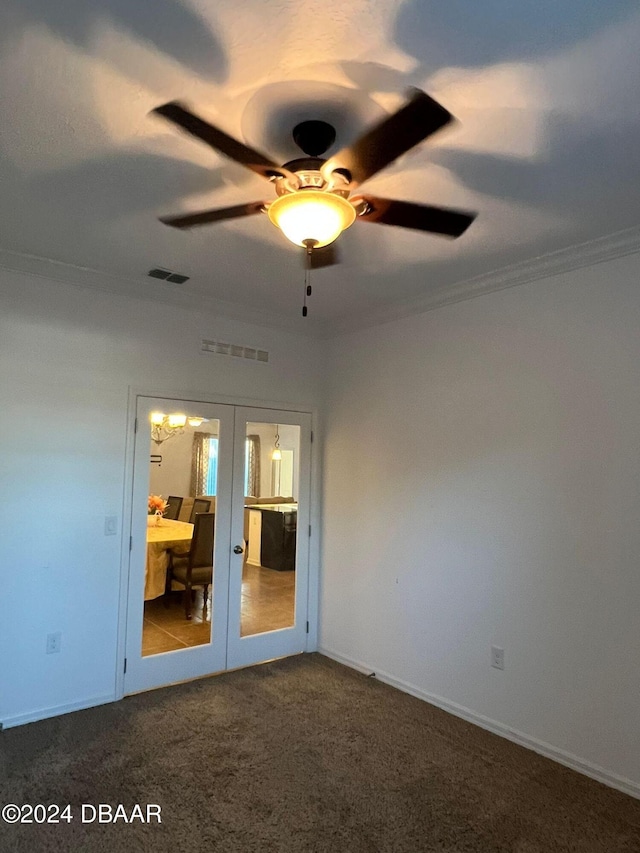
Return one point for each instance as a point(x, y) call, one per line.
point(312, 215)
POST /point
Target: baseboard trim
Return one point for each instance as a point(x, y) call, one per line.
point(580, 765)
point(57, 710)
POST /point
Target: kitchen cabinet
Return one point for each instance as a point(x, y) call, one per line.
point(272, 536)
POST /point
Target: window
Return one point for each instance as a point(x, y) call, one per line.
point(212, 470)
point(207, 476)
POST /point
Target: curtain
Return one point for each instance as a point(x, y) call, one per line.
point(253, 465)
point(199, 463)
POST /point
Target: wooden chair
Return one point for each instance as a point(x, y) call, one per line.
point(199, 505)
point(174, 505)
point(196, 567)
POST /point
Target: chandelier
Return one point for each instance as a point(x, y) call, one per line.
point(164, 426)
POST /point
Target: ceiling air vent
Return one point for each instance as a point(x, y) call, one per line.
point(235, 351)
point(167, 275)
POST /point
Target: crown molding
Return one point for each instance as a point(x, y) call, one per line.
point(596, 251)
point(140, 288)
point(599, 250)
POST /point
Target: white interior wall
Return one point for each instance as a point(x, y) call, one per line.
point(290, 440)
point(67, 359)
point(481, 487)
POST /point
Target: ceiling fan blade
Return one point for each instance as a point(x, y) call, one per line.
point(422, 217)
point(221, 141)
point(418, 118)
point(327, 256)
point(206, 217)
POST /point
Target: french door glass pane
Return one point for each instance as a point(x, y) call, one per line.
point(183, 483)
point(212, 474)
point(271, 478)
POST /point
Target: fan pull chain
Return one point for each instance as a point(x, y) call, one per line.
point(307, 291)
point(309, 244)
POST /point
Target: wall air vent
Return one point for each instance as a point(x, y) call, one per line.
point(167, 275)
point(235, 351)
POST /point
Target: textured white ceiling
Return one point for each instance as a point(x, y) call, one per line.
point(547, 148)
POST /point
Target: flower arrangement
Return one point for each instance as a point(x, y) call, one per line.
point(157, 505)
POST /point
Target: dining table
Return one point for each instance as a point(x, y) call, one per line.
point(162, 535)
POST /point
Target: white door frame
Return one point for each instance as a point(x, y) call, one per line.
point(314, 505)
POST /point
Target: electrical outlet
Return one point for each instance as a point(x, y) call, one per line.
point(497, 657)
point(110, 525)
point(54, 641)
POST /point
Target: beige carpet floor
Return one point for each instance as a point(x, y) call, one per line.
point(299, 755)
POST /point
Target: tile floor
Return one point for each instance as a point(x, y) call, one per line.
point(268, 600)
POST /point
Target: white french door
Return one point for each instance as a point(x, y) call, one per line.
point(257, 606)
point(274, 575)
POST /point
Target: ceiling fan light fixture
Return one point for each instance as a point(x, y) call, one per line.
point(312, 215)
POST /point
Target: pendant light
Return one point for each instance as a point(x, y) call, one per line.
point(276, 456)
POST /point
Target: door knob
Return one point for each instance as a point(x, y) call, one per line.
point(238, 549)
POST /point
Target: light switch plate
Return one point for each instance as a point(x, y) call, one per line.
point(110, 525)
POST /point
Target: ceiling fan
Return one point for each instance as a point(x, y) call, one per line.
point(314, 202)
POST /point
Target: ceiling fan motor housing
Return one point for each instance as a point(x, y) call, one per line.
point(314, 137)
point(308, 172)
